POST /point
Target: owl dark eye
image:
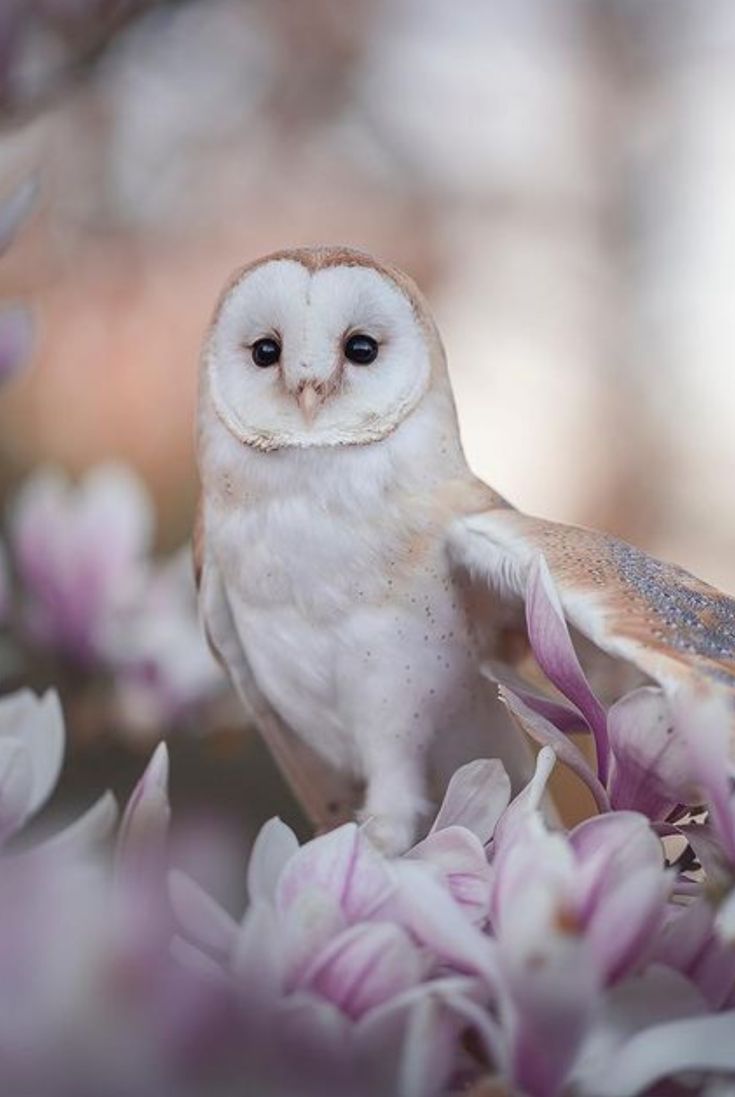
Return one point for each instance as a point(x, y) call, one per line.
point(361, 349)
point(266, 352)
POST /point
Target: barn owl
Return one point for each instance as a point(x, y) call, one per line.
point(355, 575)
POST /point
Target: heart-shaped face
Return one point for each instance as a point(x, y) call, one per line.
point(305, 351)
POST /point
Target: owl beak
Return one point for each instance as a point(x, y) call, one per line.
point(309, 402)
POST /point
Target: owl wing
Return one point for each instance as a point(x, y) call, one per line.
point(675, 628)
point(326, 796)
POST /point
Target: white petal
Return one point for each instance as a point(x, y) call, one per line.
point(273, 848)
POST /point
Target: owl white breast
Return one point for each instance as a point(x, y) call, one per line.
point(331, 466)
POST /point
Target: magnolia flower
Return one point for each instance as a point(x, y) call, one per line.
point(494, 925)
point(162, 663)
point(31, 753)
point(355, 972)
point(79, 552)
point(643, 762)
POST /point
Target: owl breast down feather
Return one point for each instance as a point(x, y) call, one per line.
point(341, 583)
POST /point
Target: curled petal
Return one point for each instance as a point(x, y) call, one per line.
point(553, 648)
point(477, 795)
point(526, 803)
point(548, 734)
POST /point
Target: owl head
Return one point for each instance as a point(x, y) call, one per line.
point(319, 347)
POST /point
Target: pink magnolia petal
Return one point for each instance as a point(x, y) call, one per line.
point(144, 828)
point(547, 734)
point(312, 920)
point(16, 340)
point(312, 1049)
point(550, 994)
point(533, 883)
point(427, 1050)
point(274, 847)
point(709, 852)
point(651, 770)
point(658, 995)
point(526, 803)
point(713, 971)
point(364, 966)
point(408, 1045)
point(343, 863)
point(477, 795)
point(564, 717)
point(258, 960)
point(554, 651)
point(624, 837)
point(429, 913)
point(620, 928)
point(460, 858)
point(693, 1045)
point(705, 722)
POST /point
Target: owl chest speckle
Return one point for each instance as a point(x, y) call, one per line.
point(343, 615)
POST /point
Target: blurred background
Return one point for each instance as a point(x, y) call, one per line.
point(559, 177)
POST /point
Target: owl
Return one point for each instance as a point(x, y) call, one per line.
point(355, 577)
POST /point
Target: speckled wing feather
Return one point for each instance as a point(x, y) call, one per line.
point(675, 628)
point(326, 796)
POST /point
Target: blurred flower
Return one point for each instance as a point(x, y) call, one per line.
point(555, 961)
point(89, 591)
point(31, 753)
point(163, 665)
point(79, 552)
